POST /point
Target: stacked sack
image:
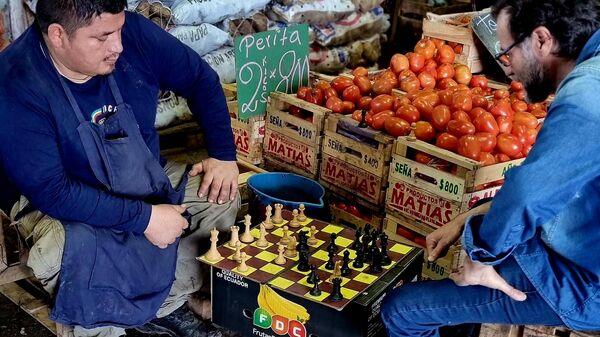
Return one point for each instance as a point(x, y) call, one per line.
point(208, 27)
point(344, 33)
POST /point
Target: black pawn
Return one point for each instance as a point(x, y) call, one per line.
point(375, 267)
point(345, 270)
point(368, 251)
point(332, 245)
point(315, 291)
point(336, 292)
point(330, 263)
point(302, 241)
point(386, 260)
point(303, 262)
point(312, 277)
point(357, 236)
point(368, 229)
point(359, 260)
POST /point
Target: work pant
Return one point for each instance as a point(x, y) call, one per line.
point(420, 309)
point(48, 237)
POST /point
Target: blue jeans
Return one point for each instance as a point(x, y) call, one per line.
point(420, 309)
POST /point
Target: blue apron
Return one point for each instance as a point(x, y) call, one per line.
point(111, 277)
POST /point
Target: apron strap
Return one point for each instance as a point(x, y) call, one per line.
point(115, 89)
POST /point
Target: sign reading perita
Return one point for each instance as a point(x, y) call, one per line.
point(270, 61)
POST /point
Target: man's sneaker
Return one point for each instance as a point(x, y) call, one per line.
point(180, 323)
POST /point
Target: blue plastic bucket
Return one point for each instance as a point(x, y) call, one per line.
point(288, 189)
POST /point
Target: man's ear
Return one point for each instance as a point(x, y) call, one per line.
point(56, 35)
point(543, 43)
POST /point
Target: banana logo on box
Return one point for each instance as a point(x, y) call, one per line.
point(280, 314)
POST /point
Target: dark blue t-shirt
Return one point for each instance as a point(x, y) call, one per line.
point(40, 149)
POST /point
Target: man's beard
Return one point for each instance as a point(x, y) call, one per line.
point(537, 82)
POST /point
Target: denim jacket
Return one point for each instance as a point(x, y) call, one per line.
point(547, 214)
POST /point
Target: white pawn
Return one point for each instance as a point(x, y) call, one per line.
point(247, 236)
point(213, 254)
point(312, 240)
point(286, 236)
point(268, 223)
point(234, 236)
point(295, 223)
point(262, 240)
point(243, 267)
point(280, 260)
point(238, 251)
point(301, 216)
point(291, 251)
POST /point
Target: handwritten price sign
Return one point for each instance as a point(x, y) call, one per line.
point(270, 61)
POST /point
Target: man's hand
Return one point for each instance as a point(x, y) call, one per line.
point(220, 176)
point(166, 225)
point(474, 273)
point(438, 242)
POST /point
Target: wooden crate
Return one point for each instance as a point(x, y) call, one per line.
point(449, 28)
point(434, 197)
point(292, 143)
point(500, 330)
point(230, 91)
point(545, 331)
point(356, 160)
point(248, 135)
point(344, 218)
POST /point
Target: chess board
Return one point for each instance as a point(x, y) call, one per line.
point(288, 278)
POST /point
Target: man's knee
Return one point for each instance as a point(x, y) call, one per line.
point(45, 255)
point(399, 316)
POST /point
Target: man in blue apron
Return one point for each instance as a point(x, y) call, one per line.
point(103, 211)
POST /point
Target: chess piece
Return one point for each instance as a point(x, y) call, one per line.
point(336, 292)
point(234, 236)
point(291, 251)
point(368, 252)
point(376, 267)
point(262, 240)
point(337, 271)
point(345, 271)
point(280, 260)
point(332, 245)
point(301, 216)
point(286, 236)
point(371, 249)
point(366, 239)
point(357, 236)
point(359, 260)
point(303, 265)
point(278, 218)
point(315, 291)
point(247, 236)
point(302, 241)
point(367, 230)
point(295, 223)
point(312, 277)
point(243, 267)
point(383, 241)
point(331, 262)
point(268, 212)
point(213, 254)
point(238, 251)
point(312, 240)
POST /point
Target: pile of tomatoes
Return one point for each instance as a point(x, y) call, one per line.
point(352, 209)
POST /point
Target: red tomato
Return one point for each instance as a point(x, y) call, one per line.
point(296, 111)
point(485, 122)
point(323, 85)
point(461, 116)
point(486, 159)
point(342, 206)
point(501, 158)
point(353, 210)
point(460, 128)
point(424, 131)
point(446, 83)
point(526, 119)
point(390, 76)
point(335, 104)
point(509, 145)
point(426, 80)
point(447, 141)
point(469, 147)
point(340, 83)
point(381, 103)
point(348, 107)
point(519, 106)
point(479, 81)
point(352, 94)
point(416, 61)
point(462, 101)
point(379, 119)
point(477, 91)
point(330, 92)
point(365, 102)
point(521, 95)
point(437, 42)
point(405, 233)
point(526, 135)
point(504, 124)
point(430, 67)
point(406, 74)
point(410, 84)
point(409, 113)
point(424, 106)
point(539, 113)
point(501, 93)
point(360, 71)
point(363, 83)
point(445, 54)
point(423, 158)
point(440, 116)
point(426, 48)
point(526, 150)
point(399, 63)
point(303, 92)
point(462, 74)
point(487, 141)
point(445, 70)
point(516, 86)
point(475, 112)
point(382, 86)
point(445, 97)
point(479, 101)
point(419, 240)
point(357, 115)
point(397, 126)
point(501, 108)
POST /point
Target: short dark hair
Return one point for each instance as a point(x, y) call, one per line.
point(74, 14)
point(571, 22)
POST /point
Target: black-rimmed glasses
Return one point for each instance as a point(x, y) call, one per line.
point(503, 56)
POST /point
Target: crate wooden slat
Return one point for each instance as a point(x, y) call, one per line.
point(248, 135)
point(342, 217)
point(230, 91)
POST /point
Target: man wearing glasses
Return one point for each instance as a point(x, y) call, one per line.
point(532, 254)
